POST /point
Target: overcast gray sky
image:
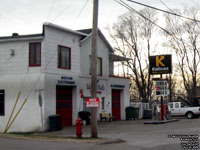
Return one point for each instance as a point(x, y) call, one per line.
point(27, 16)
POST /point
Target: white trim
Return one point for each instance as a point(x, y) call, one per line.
point(63, 28)
point(21, 39)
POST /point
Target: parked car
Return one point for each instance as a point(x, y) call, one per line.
point(179, 109)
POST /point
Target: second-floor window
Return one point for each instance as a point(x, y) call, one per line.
point(99, 66)
point(35, 54)
point(64, 57)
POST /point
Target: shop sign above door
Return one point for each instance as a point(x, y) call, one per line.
point(64, 80)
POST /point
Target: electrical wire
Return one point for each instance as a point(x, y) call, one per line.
point(166, 6)
point(133, 10)
point(158, 9)
point(140, 14)
point(80, 12)
point(63, 10)
point(52, 6)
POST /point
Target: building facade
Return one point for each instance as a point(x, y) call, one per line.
point(52, 71)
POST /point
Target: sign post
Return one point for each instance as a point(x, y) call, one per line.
point(160, 64)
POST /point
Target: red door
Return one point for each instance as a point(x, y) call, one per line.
point(116, 111)
point(64, 104)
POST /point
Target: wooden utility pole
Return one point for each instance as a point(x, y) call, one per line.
point(94, 133)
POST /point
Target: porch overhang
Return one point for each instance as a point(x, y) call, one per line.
point(115, 57)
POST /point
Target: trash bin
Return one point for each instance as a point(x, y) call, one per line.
point(55, 123)
point(132, 113)
point(85, 115)
point(147, 114)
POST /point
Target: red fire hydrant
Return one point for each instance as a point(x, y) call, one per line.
point(78, 128)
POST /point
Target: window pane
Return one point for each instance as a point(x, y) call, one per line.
point(35, 54)
point(38, 48)
point(1, 108)
point(32, 54)
point(2, 102)
point(64, 57)
point(99, 66)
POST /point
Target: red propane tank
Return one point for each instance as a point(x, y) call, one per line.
point(78, 128)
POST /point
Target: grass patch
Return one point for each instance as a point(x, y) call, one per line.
point(22, 133)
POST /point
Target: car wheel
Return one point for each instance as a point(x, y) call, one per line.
point(190, 115)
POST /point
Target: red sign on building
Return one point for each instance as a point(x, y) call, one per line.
point(92, 102)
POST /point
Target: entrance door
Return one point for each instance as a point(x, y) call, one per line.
point(64, 104)
point(116, 107)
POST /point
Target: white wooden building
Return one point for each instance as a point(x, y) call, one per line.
point(57, 63)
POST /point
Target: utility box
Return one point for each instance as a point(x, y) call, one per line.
point(55, 123)
point(132, 113)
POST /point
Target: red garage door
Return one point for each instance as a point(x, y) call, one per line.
point(64, 104)
point(116, 111)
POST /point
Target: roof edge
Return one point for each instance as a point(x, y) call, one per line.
point(63, 28)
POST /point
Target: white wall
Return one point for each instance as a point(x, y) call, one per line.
point(55, 37)
point(15, 76)
point(102, 51)
point(29, 118)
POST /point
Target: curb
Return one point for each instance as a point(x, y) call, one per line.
point(62, 139)
point(160, 122)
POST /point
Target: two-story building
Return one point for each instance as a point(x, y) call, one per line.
point(52, 71)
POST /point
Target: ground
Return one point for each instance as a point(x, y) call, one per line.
point(118, 135)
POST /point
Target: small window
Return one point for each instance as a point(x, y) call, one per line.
point(35, 54)
point(64, 57)
point(99, 66)
point(103, 103)
point(2, 102)
point(182, 105)
point(171, 105)
point(176, 105)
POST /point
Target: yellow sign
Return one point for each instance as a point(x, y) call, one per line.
point(159, 61)
point(160, 64)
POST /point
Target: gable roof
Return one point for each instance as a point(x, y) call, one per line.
point(64, 29)
point(89, 32)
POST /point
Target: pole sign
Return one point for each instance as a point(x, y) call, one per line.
point(160, 64)
point(92, 102)
point(161, 88)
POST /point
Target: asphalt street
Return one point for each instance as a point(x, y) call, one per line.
point(134, 135)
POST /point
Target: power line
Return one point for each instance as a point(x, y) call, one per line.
point(63, 10)
point(52, 6)
point(158, 9)
point(80, 12)
point(132, 9)
point(166, 6)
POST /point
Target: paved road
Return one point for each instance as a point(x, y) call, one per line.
point(136, 135)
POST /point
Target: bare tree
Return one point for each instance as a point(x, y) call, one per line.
point(131, 36)
point(185, 43)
